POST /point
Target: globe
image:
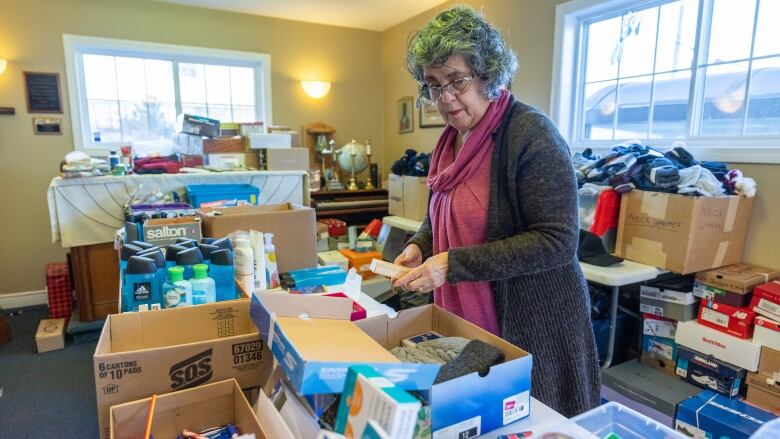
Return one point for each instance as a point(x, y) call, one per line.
point(345, 158)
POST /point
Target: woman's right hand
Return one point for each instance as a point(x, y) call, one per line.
point(411, 256)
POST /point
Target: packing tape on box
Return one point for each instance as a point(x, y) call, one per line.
point(654, 205)
point(731, 214)
point(701, 408)
point(641, 248)
point(271, 325)
point(721, 253)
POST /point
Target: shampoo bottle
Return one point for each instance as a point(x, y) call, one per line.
point(203, 288)
point(223, 273)
point(176, 292)
point(243, 260)
point(157, 256)
point(140, 292)
point(187, 258)
point(272, 271)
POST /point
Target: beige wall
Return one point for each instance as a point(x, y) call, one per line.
point(529, 27)
point(31, 39)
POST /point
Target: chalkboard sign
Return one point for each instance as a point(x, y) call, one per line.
point(43, 92)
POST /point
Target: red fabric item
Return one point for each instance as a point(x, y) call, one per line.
point(607, 212)
point(60, 289)
point(459, 210)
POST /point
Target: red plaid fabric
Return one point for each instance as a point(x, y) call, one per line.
point(60, 288)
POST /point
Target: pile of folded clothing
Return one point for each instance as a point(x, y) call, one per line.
point(631, 165)
point(78, 164)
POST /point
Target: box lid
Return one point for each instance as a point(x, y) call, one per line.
point(737, 278)
point(315, 342)
point(49, 328)
point(710, 363)
point(721, 415)
point(766, 322)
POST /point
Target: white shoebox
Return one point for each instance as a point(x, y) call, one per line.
point(767, 333)
point(737, 351)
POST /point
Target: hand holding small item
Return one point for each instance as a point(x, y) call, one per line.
point(426, 277)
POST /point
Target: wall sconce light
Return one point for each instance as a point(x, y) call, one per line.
point(316, 89)
point(3, 65)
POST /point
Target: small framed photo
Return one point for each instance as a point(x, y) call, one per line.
point(406, 114)
point(430, 117)
point(47, 125)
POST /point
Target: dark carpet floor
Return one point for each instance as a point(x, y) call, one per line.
point(49, 395)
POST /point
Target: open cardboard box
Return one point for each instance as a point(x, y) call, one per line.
point(210, 405)
point(143, 353)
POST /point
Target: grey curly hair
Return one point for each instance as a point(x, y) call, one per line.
point(461, 30)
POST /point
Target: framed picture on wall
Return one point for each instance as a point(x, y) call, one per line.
point(43, 92)
point(406, 114)
point(430, 117)
point(47, 125)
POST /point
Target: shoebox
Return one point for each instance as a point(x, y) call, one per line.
point(232, 160)
point(361, 261)
point(368, 395)
point(767, 333)
point(224, 145)
point(766, 300)
point(743, 353)
point(659, 353)
point(287, 159)
point(737, 278)
point(709, 372)
point(315, 342)
point(470, 405)
point(658, 326)
point(142, 353)
point(726, 318)
point(680, 233)
point(677, 289)
point(293, 227)
point(669, 309)
point(50, 335)
point(709, 415)
point(196, 409)
point(648, 386)
point(276, 140)
point(720, 295)
point(764, 385)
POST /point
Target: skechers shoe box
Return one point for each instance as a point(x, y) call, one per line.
point(710, 415)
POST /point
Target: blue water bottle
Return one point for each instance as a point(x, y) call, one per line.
point(157, 256)
point(140, 291)
point(224, 274)
point(187, 258)
point(170, 254)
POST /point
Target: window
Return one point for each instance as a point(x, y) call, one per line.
point(703, 71)
point(125, 91)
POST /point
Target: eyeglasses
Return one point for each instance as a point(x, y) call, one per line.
point(430, 94)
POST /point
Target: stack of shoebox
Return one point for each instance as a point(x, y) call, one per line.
point(333, 376)
point(664, 303)
point(764, 384)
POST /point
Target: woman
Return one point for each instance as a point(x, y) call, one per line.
point(498, 246)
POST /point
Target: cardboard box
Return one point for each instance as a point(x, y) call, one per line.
point(767, 333)
point(197, 409)
point(764, 386)
point(737, 278)
point(709, 372)
point(289, 159)
point(293, 227)
point(50, 335)
point(709, 415)
point(658, 326)
point(416, 194)
point(648, 386)
point(667, 309)
point(165, 231)
point(361, 261)
point(680, 233)
point(224, 145)
point(287, 139)
point(667, 295)
point(739, 352)
point(234, 160)
point(766, 300)
point(720, 295)
point(659, 364)
point(395, 194)
point(726, 318)
point(470, 405)
point(142, 353)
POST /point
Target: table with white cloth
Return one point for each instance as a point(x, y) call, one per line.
point(89, 210)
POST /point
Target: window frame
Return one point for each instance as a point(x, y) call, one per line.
point(567, 94)
point(76, 45)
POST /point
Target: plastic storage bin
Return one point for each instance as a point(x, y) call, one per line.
point(220, 195)
point(610, 418)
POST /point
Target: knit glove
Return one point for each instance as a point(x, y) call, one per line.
point(477, 356)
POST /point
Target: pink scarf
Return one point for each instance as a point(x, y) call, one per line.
point(459, 210)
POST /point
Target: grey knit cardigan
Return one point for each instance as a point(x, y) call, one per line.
point(530, 258)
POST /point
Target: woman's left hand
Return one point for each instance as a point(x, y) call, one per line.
point(431, 274)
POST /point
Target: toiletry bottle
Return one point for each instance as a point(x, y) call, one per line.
point(271, 270)
point(257, 241)
point(143, 244)
point(170, 254)
point(203, 287)
point(140, 292)
point(187, 258)
point(158, 257)
point(206, 250)
point(176, 291)
point(223, 273)
point(243, 260)
point(223, 243)
point(124, 255)
point(113, 159)
point(186, 242)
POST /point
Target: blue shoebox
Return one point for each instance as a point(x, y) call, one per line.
point(712, 416)
point(470, 405)
point(708, 372)
point(314, 342)
point(660, 348)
